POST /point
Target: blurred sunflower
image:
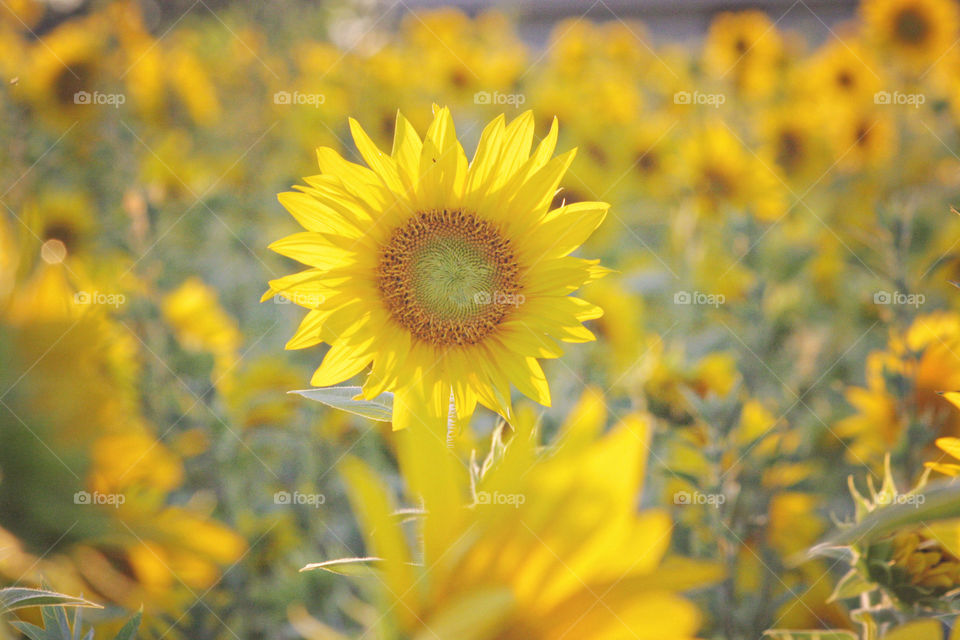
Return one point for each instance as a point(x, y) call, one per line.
point(904, 385)
point(452, 279)
point(863, 139)
point(747, 47)
point(73, 371)
point(726, 175)
point(842, 75)
point(549, 537)
point(71, 59)
point(792, 136)
point(917, 32)
point(201, 323)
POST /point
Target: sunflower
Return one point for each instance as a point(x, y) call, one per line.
point(55, 346)
point(919, 32)
point(791, 135)
point(451, 279)
point(863, 139)
point(70, 60)
point(747, 47)
point(842, 75)
point(548, 538)
point(725, 174)
point(904, 385)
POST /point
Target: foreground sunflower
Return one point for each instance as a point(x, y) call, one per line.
point(551, 546)
point(450, 278)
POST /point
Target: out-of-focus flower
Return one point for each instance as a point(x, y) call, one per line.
point(201, 324)
point(904, 384)
point(727, 176)
point(915, 32)
point(670, 373)
point(863, 139)
point(66, 67)
point(452, 279)
point(747, 48)
point(842, 75)
point(792, 136)
point(73, 370)
point(545, 533)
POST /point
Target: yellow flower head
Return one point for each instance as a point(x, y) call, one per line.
point(920, 363)
point(725, 175)
point(545, 535)
point(917, 31)
point(451, 278)
point(747, 48)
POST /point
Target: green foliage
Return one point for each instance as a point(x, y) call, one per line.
point(348, 399)
point(57, 624)
point(12, 598)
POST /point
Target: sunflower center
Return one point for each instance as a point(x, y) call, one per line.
point(448, 277)
point(912, 26)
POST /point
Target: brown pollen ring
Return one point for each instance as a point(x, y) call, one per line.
point(449, 277)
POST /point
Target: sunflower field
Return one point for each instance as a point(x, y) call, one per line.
point(357, 320)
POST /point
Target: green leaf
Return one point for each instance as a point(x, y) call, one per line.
point(851, 586)
point(939, 503)
point(346, 566)
point(55, 622)
point(32, 631)
point(129, 630)
point(12, 598)
point(820, 634)
point(350, 566)
point(347, 399)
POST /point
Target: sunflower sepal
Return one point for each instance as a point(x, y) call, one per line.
point(851, 586)
point(898, 548)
